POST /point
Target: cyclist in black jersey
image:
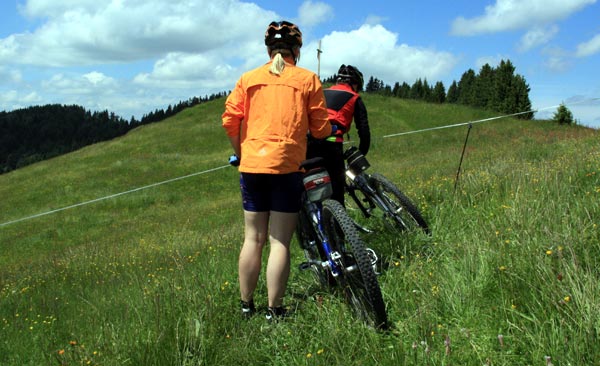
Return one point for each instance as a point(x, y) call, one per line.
point(344, 104)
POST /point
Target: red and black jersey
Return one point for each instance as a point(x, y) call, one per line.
point(344, 105)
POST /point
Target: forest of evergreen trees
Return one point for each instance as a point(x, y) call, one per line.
point(37, 133)
point(498, 89)
point(41, 132)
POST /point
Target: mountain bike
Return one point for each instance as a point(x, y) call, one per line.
point(334, 250)
point(377, 197)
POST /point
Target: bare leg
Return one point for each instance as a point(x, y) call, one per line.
point(278, 265)
point(255, 235)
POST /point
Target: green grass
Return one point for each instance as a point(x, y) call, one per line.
point(509, 276)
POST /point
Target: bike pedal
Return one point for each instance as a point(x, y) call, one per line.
point(362, 228)
point(374, 260)
point(304, 266)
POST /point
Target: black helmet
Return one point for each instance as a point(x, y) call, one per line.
point(351, 75)
point(283, 34)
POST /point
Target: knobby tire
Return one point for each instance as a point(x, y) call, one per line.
point(406, 216)
point(360, 286)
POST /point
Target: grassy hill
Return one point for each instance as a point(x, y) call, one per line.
point(509, 276)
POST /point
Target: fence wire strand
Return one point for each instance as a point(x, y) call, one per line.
point(225, 166)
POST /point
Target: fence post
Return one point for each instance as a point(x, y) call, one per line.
point(462, 156)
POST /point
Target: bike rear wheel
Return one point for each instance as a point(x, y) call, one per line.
point(357, 279)
point(401, 213)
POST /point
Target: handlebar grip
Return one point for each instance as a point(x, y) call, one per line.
point(234, 160)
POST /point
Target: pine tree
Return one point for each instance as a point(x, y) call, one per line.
point(427, 91)
point(466, 88)
point(484, 87)
point(503, 86)
point(439, 93)
point(396, 90)
point(372, 85)
point(452, 96)
point(405, 90)
point(521, 94)
point(563, 115)
point(416, 90)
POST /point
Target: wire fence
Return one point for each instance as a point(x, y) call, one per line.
point(225, 166)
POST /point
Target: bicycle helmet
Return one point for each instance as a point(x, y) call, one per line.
point(283, 34)
point(351, 75)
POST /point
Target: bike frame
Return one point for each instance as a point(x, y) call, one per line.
point(361, 182)
point(314, 213)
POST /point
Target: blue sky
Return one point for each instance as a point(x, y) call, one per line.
point(134, 56)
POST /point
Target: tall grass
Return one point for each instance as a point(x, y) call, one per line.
point(508, 277)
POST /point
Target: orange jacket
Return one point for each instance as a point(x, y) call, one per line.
point(272, 115)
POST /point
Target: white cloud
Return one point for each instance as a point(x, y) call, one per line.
point(507, 15)
point(93, 83)
point(12, 76)
point(9, 47)
point(373, 49)
point(180, 49)
point(198, 47)
point(78, 32)
point(312, 13)
point(14, 99)
point(536, 37)
point(493, 61)
point(376, 52)
point(556, 64)
point(589, 48)
point(374, 19)
point(98, 78)
point(557, 59)
point(44, 8)
point(180, 70)
point(95, 91)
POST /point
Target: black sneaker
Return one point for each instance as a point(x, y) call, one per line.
point(248, 308)
point(276, 313)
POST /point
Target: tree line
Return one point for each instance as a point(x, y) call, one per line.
point(498, 89)
point(37, 133)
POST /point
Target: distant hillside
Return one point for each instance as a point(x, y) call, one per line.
point(38, 133)
point(42, 132)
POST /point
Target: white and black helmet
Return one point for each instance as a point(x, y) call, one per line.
point(351, 75)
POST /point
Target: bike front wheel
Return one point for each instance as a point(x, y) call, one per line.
point(357, 279)
point(400, 212)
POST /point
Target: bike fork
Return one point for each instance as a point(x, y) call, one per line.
point(332, 256)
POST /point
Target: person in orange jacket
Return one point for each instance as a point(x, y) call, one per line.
point(344, 105)
point(267, 117)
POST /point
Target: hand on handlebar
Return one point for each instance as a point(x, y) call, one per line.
point(234, 160)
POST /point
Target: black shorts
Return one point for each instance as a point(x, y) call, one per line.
point(271, 192)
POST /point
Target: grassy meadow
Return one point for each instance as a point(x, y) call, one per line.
point(509, 276)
